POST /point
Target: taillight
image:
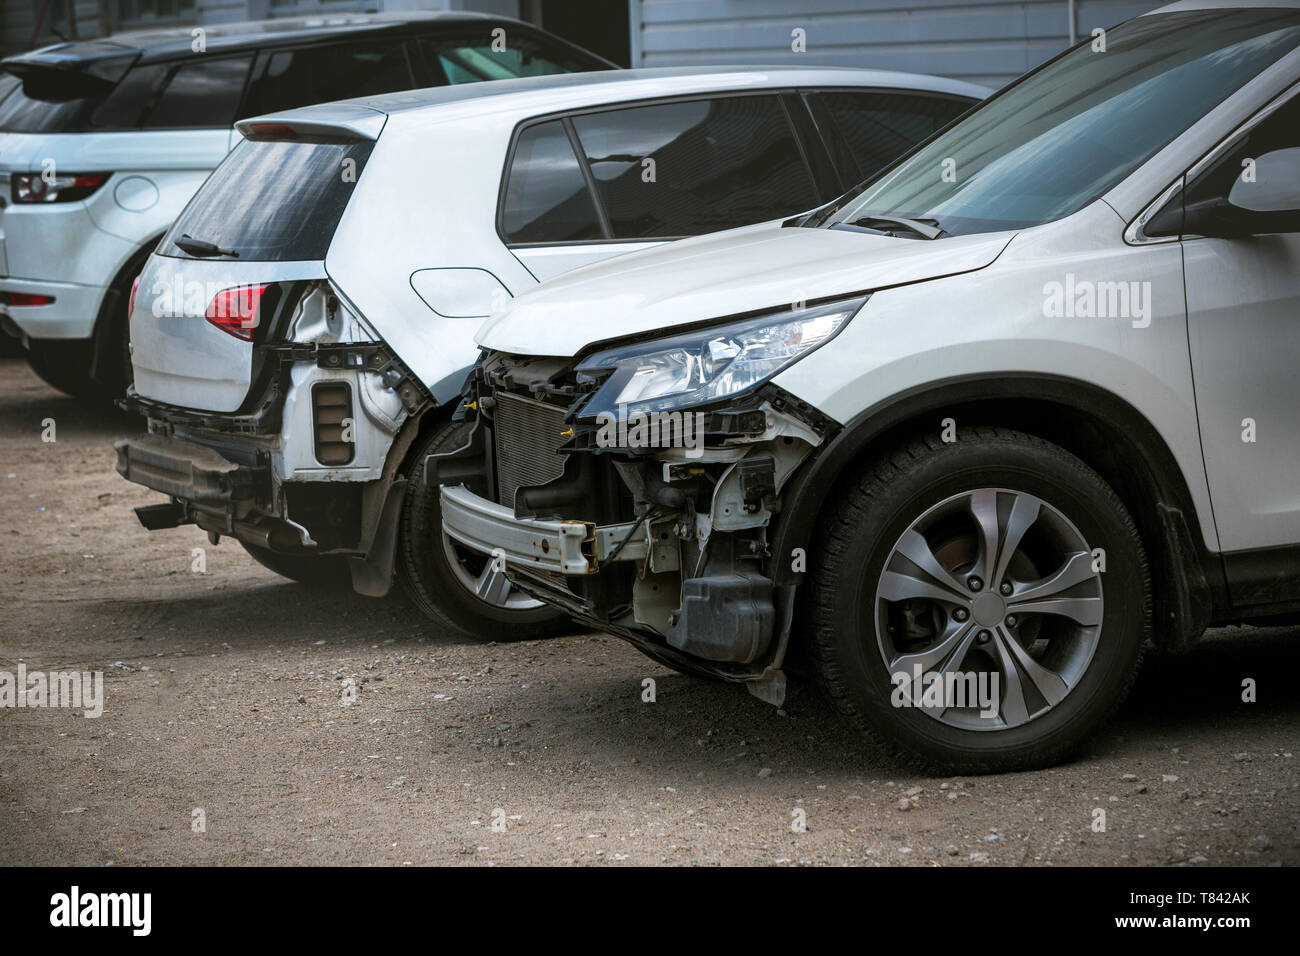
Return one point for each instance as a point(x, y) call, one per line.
point(130, 302)
point(235, 311)
point(65, 187)
point(25, 298)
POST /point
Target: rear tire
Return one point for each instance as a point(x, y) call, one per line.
point(442, 592)
point(63, 364)
point(1065, 654)
point(315, 570)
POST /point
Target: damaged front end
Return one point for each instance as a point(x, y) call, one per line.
point(636, 487)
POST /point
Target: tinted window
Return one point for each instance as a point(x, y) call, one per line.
point(20, 113)
point(471, 57)
point(682, 169)
point(300, 77)
point(1211, 188)
point(273, 201)
point(547, 199)
point(878, 128)
point(201, 93)
point(100, 106)
point(129, 102)
point(1065, 135)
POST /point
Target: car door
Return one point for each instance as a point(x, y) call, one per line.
point(599, 183)
point(1243, 310)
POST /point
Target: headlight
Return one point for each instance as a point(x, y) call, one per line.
point(705, 365)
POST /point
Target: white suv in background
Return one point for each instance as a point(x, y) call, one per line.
point(104, 142)
point(959, 441)
point(302, 334)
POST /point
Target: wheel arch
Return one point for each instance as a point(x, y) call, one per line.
point(110, 316)
point(1097, 426)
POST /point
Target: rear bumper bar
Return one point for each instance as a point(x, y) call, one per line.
point(191, 472)
point(558, 546)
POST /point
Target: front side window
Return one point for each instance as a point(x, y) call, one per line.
point(1213, 186)
point(317, 74)
point(1068, 133)
point(200, 93)
point(475, 56)
point(546, 197)
point(684, 169)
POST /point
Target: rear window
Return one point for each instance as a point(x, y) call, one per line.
point(273, 201)
point(192, 93)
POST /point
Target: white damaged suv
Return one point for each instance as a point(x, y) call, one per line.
point(960, 441)
point(302, 334)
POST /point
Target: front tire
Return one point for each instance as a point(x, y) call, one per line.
point(449, 584)
point(979, 557)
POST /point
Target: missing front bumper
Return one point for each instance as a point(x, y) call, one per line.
point(558, 547)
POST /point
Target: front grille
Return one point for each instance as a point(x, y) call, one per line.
point(527, 434)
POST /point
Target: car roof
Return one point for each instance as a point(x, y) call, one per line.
point(253, 34)
point(1184, 5)
point(541, 94)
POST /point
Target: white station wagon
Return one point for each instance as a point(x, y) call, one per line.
point(301, 335)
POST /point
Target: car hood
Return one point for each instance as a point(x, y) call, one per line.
point(728, 273)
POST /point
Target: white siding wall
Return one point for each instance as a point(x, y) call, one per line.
point(984, 42)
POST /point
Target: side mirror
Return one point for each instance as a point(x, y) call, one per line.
point(1271, 185)
point(1264, 199)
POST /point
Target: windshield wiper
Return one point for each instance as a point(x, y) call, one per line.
point(925, 228)
point(202, 248)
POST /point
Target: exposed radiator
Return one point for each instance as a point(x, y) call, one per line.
point(527, 434)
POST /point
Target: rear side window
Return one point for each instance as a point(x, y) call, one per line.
point(193, 93)
point(683, 169)
point(202, 93)
point(546, 197)
point(473, 57)
point(877, 128)
point(273, 201)
point(300, 77)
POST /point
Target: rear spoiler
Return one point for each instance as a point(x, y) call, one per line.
point(337, 122)
point(95, 66)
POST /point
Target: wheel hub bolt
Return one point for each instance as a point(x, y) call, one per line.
point(1011, 620)
point(960, 614)
point(975, 584)
point(982, 637)
point(1005, 587)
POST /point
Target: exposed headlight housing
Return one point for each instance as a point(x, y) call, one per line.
point(709, 364)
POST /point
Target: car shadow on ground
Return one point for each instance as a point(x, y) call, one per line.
point(26, 401)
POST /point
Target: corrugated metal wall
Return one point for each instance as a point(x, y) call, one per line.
point(990, 42)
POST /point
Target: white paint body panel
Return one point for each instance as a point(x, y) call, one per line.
point(73, 251)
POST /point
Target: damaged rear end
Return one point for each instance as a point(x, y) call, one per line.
point(272, 404)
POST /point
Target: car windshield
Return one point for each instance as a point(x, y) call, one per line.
point(1064, 136)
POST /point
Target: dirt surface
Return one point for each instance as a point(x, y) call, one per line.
point(224, 691)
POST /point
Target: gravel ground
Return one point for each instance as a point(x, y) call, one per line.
point(225, 692)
